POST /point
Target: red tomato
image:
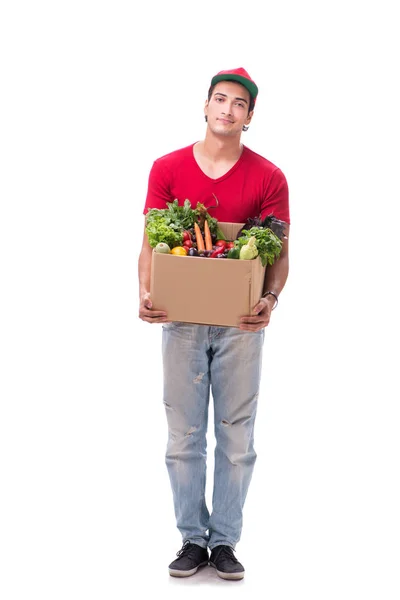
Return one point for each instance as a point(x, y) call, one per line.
point(221, 243)
point(186, 236)
point(187, 244)
point(230, 245)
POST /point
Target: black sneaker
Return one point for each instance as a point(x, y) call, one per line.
point(190, 558)
point(228, 567)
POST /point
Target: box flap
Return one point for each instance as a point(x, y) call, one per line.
point(230, 230)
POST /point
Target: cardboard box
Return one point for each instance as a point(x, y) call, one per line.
point(207, 291)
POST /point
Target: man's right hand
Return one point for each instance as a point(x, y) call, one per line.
point(146, 313)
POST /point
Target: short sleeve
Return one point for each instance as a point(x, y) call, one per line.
point(158, 189)
point(276, 198)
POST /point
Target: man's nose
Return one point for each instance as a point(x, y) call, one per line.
point(227, 109)
point(227, 112)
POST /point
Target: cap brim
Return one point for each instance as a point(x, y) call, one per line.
point(249, 85)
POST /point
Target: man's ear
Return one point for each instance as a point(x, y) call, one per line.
point(249, 117)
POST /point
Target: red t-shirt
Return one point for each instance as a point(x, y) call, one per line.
point(253, 187)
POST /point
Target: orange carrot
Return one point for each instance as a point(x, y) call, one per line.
point(207, 236)
point(199, 237)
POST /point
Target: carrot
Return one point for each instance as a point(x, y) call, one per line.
point(199, 237)
point(207, 236)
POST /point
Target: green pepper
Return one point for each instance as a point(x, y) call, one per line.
point(233, 253)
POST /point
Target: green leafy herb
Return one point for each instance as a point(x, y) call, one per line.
point(268, 244)
point(175, 216)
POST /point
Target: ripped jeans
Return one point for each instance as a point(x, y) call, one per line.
point(227, 361)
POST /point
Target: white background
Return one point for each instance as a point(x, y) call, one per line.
point(91, 94)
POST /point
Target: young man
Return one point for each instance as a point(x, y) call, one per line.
point(225, 360)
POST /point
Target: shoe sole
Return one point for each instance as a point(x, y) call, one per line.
point(176, 573)
point(234, 576)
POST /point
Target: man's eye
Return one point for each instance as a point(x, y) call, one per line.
point(240, 104)
point(218, 99)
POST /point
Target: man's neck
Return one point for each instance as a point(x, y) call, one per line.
point(216, 148)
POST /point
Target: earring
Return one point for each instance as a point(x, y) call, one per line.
point(205, 118)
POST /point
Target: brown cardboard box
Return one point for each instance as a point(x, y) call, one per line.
point(208, 291)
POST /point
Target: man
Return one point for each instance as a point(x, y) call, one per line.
point(225, 360)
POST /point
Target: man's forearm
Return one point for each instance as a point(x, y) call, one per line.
point(276, 276)
point(144, 270)
point(146, 311)
point(277, 273)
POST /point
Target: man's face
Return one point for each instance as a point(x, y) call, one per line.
point(227, 110)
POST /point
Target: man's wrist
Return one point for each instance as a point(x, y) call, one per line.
point(272, 297)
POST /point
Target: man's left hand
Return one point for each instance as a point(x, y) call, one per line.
point(262, 315)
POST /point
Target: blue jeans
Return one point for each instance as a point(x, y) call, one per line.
point(197, 358)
